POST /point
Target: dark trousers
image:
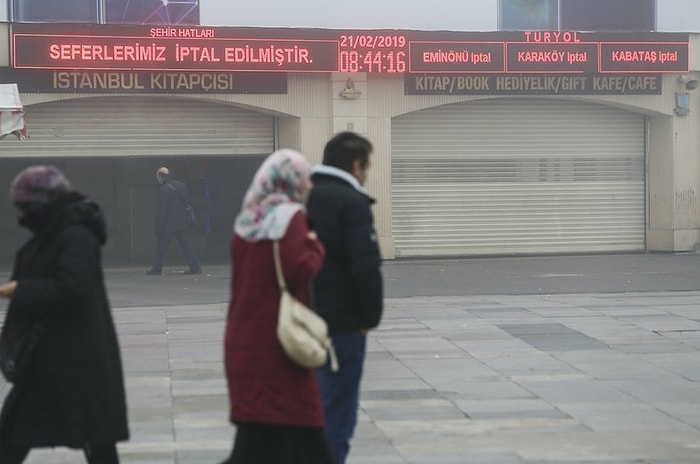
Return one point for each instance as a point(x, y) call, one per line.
point(105, 454)
point(183, 238)
point(341, 392)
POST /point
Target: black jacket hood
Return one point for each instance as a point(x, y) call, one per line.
point(76, 209)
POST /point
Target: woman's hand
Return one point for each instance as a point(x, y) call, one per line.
point(8, 289)
point(312, 235)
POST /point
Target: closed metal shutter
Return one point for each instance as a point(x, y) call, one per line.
point(521, 176)
point(142, 126)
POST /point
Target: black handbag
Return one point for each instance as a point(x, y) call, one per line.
point(16, 352)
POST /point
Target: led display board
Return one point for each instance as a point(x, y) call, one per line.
point(223, 49)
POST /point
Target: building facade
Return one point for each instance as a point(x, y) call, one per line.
point(486, 143)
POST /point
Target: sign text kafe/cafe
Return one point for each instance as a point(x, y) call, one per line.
point(532, 84)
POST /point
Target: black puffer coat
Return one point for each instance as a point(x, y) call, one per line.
point(348, 292)
point(73, 390)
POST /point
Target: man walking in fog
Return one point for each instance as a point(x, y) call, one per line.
point(173, 221)
point(348, 290)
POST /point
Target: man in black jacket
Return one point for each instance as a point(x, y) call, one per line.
point(173, 221)
point(348, 292)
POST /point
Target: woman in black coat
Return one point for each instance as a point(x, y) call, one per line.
point(70, 392)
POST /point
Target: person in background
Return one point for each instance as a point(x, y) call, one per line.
point(173, 221)
point(70, 391)
point(275, 403)
point(348, 291)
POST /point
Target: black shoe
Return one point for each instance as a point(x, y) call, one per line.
point(154, 272)
point(193, 271)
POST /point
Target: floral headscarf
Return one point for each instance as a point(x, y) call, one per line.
point(275, 195)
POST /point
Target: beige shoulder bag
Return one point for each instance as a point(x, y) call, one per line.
point(302, 333)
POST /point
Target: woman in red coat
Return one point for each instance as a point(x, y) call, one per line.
point(275, 404)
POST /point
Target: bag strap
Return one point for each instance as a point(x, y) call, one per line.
point(328, 344)
point(278, 265)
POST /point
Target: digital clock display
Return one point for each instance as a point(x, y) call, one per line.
point(224, 49)
point(372, 53)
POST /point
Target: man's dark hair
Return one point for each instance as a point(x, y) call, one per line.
point(344, 149)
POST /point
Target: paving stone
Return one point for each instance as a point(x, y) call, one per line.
point(492, 379)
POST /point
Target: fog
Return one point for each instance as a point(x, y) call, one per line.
point(355, 14)
point(457, 15)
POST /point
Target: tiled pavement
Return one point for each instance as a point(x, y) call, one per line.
point(571, 378)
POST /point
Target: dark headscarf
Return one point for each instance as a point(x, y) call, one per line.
point(38, 192)
point(38, 184)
